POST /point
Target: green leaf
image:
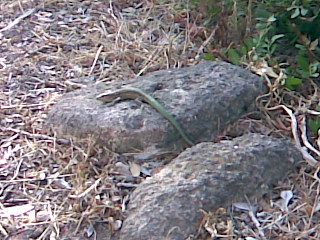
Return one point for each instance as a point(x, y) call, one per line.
point(261, 26)
point(249, 43)
point(255, 42)
point(276, 37)
point(296, 13)
point(272, 19)
point(300, 47)
point(292, 83)
point(314, 125)
point(233, 56)
point(262, 13)
point(244, 50)
point(208, 57)
point(304, 11)
point(273, 48)
point(314, 67)
point(290, 8)
point(303, 62)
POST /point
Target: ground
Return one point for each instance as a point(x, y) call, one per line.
point(57, 189)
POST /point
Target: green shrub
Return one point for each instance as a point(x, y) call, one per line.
point(283, 33)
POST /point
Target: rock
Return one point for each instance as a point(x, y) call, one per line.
point(204, 99)
point(206, 176)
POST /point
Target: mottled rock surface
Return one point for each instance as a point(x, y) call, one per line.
point(206, 176)
point(204, 99)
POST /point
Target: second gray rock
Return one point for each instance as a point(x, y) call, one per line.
point(206, 176)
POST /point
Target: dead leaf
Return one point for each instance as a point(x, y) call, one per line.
point(135, 169)
point(16, 210)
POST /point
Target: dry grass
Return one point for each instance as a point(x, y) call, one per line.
point(54, 188)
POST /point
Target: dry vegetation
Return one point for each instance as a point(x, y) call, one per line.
point(53, 188)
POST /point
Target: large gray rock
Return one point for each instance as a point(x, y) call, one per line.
point(206, 176)
point(204, 99)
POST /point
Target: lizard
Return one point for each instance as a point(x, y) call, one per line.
point(133, 93)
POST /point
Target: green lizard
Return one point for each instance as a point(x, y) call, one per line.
point(134, 93)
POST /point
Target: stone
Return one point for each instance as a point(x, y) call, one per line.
point(205, 177)
point(204, 99)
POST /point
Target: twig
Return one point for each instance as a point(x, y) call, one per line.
point(304, 137)
point(313, 112)
point(15, 181)
point(25, 105)
point(206, 42)
point(17, 20)
point(149, 61)
point(87, 191)
point(37, 136)
point(16, 172)
point(294, 128)
point(95, 59)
